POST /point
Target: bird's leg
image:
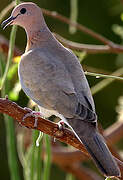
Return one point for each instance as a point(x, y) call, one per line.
point(60, 129)
point(60, 125)
point(35, 114)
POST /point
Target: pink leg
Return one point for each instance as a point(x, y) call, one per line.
point(35, 114)
point(61, 125)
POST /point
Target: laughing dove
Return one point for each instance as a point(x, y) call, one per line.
point(52, 76)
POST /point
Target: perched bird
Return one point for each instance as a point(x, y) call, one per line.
point(52, 77)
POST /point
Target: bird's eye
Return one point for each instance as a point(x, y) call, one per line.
point(23, 11)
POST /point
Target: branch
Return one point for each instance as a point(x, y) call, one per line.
point(46, 126)
point(98, 75)
point(102, 84)
point(84, 29)
point(114, 133)
point(80, 172)
point(89, 48)
point(65, 155)
point(71, 160)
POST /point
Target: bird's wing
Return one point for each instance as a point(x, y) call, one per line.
point(50, 84)
point(78, 78)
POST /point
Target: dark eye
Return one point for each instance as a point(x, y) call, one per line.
point(22, 11)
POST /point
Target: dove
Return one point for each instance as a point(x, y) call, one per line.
point(52, 76)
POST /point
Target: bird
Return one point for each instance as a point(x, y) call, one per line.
point(52, 76)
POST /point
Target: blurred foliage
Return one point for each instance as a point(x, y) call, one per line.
point(104, 17)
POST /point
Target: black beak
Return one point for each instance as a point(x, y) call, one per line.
point(7, 22)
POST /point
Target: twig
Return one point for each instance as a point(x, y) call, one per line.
point(46, 126)
point(83, 29)
point(98, 75)
point(81, 172)
point(114, 133)
point(89, 48)
point(65, 155)
point(102, 84)
point(96, 70)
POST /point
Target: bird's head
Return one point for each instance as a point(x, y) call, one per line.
point(25, 15)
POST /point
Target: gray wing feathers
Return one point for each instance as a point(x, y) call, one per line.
point(51, 85)
point(56, 82)
point(80, 81)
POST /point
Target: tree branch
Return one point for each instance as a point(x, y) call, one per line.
point(89, 48)
point(80, 172)
point(84, 29)
point(114, 133)
point(46, 126)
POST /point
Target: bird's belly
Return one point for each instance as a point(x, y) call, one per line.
point(47, 113)
point(29, 92)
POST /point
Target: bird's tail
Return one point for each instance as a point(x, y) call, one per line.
point(96, 146)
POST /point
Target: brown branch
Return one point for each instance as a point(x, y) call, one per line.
point(84, 29)
point(70, 161)
point(89, 48)
point(46, 126)
point(114, 133)
point(80, 172)
point(65, 155)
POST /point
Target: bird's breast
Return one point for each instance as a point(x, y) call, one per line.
point(29, 80)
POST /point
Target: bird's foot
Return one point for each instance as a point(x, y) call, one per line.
point(34, 114)
point(61, 125)
point(59, 130)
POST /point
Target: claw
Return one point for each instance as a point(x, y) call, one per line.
point(28, 109)
point(33, 114)
point(61, 125)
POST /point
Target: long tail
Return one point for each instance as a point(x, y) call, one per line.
point(96, 146)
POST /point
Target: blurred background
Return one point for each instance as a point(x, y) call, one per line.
point(104, 17)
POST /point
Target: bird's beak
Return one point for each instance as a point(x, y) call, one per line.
point(8, 22)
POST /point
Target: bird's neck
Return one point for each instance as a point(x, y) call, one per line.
point(37, 37)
